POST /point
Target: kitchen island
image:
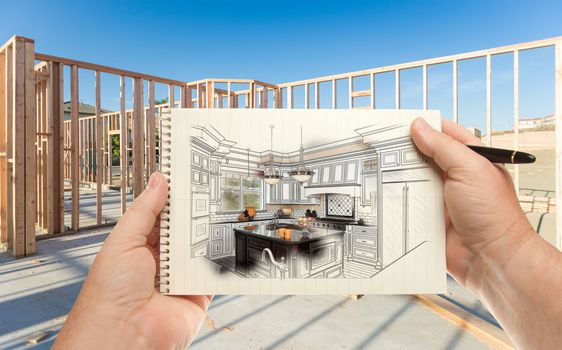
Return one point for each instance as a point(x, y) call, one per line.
point(317, 254)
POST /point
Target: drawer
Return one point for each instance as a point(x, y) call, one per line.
point(216, 248)
point(199, 251)
point(333, 272)
point(364, 229)
point(216, 233)
point(364, 241)
point(364, 253)
point(199, 230)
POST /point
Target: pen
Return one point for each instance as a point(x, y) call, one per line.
point(500, 155)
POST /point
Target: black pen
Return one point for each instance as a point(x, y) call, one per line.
point(500, 155)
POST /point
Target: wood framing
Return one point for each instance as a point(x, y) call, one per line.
point(40, 152)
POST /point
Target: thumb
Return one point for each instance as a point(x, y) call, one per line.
point(137, 223)
point(447, 152)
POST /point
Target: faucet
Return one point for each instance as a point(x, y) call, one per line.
point(275, 221)
point(280, 265)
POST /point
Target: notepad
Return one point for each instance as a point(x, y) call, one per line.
point(288, 201)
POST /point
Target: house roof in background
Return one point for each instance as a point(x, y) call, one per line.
point(83, 108)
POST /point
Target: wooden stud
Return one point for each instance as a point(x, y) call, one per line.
point(138, 138)
point(229, 100)
point(99, 152)
point(424, 87)
point(30, 149)
point(10, 222)
point(350, 92)
point(74, 145)
point(488, 100)
point(290, 98)
point(171, 96)
point(397, 88)
point(373, 100)
point(3, 150)
point(316, 95)
point(306, 96)
point(334, 94)
point(151, 129)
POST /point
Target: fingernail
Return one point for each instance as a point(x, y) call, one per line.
point(422, 126)
point(153, 181)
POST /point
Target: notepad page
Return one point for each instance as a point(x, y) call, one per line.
point(402, 251)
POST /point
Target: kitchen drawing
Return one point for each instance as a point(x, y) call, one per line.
point(291, 203)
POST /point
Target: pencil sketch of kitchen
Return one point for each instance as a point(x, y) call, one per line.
point(299, 204)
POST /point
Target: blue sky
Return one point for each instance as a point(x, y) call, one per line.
point(280, 41)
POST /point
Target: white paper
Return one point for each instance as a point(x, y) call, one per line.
point(365, 166)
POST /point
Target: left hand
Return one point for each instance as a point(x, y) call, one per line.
point(118, 306)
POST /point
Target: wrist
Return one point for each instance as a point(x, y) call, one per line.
point(99, 326)
point(496, 256)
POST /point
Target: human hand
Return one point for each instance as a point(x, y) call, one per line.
point(482, 210)
point(118, 306)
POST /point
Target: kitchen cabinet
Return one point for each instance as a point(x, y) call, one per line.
point(285, 191)
point(221, 240)
point(351, 170)
point(362, 245)
point(369, 184)
point(214, 187)
point(315, 179)
point(336, 173)
point(403, 207)
point(325, 179)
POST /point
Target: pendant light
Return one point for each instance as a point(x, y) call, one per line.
point(272, 178)
point(302, 174)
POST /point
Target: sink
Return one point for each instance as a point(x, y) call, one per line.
point(278, 226)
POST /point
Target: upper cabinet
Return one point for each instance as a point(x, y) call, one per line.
point(351, 171)
point(315, 180)
point(325, 179)
point(337, 173)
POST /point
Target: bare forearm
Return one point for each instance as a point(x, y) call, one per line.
point(520, 280)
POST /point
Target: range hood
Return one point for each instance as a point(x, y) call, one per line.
point(353, 190)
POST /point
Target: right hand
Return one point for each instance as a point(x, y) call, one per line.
point(482, 210)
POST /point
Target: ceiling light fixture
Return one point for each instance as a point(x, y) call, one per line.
point(302, 174)
point(272, 178)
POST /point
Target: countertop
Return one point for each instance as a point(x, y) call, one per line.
point(249, 222)
point(297, 236)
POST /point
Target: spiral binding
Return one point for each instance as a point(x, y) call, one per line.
point(163, 270)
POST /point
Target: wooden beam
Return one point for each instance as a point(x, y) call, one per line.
point(3, 150)
point(229, 100)
point(361, 93)
point(74, 145)
point(99, 151)
point(123, 152)
point(138, 137)
point(151, 120)
point(350, 92)
point(373, 98)
point(290, 99)
point(55, 149)
point(424, 82)
point(171, 96)
point(397, 88)
point(105, 69)
point(334, 94)
point(306, 96)
point(431, 61)
point(316, 95)
point(10, 222)
point(18, 201)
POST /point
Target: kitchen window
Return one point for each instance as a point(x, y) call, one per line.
point(239, 191)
